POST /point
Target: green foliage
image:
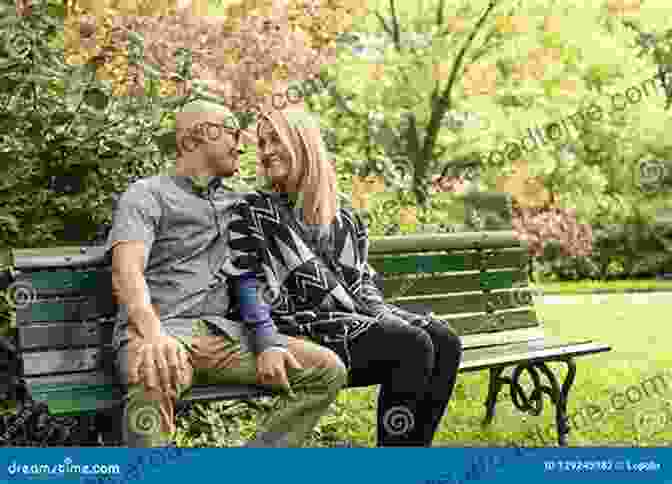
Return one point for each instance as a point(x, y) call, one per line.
point(67, 143)
point(638, 247)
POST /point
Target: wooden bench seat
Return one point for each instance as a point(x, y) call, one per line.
point(476, 281)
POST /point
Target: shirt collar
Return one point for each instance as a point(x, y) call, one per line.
point(200, 185)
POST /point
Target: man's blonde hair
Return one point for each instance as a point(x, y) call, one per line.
point(311, 170)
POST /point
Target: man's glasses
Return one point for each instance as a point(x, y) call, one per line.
point(210, 131)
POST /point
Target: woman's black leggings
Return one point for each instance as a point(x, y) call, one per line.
point(416, 368)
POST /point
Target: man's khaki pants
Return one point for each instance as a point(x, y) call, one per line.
point(149, 415)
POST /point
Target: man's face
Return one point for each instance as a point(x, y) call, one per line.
point(274, 155)
point(213, 137)
point(222, 140)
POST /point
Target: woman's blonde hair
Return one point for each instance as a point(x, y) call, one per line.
point(311, 170)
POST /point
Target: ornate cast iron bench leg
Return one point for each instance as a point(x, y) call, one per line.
point(494, 386)
point(533, 404)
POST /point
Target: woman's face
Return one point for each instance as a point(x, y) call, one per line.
point(273, 154)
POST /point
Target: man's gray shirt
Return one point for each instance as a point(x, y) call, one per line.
point(186, 261)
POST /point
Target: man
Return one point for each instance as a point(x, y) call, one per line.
point(169, 244)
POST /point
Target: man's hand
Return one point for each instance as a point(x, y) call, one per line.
point(160, 364)
point(272, 367)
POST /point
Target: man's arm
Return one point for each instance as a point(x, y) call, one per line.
point(131, 290)
point(158, 361)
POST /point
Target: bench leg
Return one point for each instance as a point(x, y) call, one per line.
point(494, 387)
point(534, 403)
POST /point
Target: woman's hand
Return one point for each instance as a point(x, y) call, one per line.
point(272, 365)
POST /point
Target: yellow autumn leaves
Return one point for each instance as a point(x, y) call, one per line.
point(527, 190)
point(364, 187)
point(536, 64)
point(91, 26)
point(511, 24)
point(323, 25)
point(480, 79)
point(623, 7)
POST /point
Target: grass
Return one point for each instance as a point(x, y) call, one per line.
point(619, 398)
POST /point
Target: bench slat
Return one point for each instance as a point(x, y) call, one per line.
point(206, 393)
point(457, 282)
point(55, 257)
point(65, 335)
point(73, 394)
point(472, 302)
point(61, 361)
point(512, 257)
point(458, 303)
point(498, 321)
point(399, 244)
point(68, 283)
point(88, 392)
point(502, 337)
point(79, 309)
point(542, 349)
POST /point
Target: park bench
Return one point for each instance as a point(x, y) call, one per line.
point(477, 281)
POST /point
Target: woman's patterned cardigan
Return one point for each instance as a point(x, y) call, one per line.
point(300, 270)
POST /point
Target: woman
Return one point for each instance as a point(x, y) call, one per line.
point(309, 255)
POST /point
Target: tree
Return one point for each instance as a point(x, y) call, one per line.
point(542, 78)
point(405, 123)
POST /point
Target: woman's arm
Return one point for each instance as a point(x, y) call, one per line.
point(248, 280)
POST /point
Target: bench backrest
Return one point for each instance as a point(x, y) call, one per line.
point(477, 280)
point(472, 278)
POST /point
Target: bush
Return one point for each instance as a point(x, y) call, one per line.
point(67, 143)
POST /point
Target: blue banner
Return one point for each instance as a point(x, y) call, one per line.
point(337, 466)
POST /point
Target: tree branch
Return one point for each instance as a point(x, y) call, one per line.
point(386, 27)
point(342, 103)
point(395, 27)
point(443, 104)
point(439, 13)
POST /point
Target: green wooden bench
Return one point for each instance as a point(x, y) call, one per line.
point(476, 280)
